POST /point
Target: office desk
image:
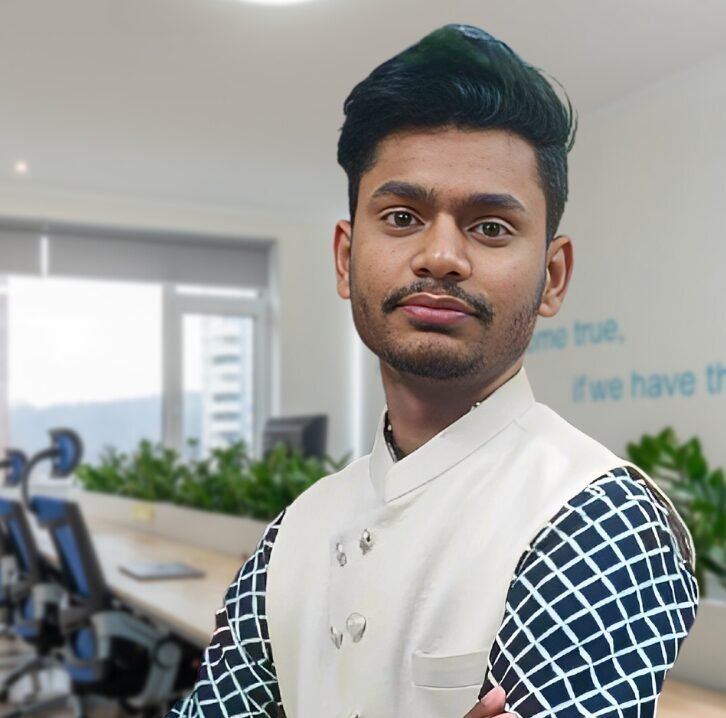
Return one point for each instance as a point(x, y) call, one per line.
point(681, 700)
point(187, 606)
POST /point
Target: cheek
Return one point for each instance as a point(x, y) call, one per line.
point(511, 281)
point(374, 270)
point(527, 260)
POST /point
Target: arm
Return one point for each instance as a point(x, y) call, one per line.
point(237, 676)
point(597, 609)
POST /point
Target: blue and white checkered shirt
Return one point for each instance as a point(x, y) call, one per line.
point(594, 617)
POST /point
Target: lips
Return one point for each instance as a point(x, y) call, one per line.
point(435, 308)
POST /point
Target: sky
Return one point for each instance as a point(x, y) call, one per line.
point(76, 341)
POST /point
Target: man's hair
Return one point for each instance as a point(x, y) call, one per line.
point(460, 76)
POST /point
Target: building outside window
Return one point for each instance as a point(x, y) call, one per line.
point(219, 367)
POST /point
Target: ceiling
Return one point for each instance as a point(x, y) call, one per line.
point(226, 103)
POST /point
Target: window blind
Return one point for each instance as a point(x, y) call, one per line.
point(19, 251)
point(88, 253)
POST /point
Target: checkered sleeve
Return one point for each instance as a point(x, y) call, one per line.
point(237, 676)
point(598, 606)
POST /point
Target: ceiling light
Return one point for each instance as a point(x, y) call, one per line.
point(21, 167)
point(277, 2)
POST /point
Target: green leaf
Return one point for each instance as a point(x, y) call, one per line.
point(698, 493)
point(229, 480)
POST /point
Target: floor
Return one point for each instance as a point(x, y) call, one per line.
point(680, 700)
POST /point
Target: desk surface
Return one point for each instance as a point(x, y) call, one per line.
point(680, 700)
point(186, 605)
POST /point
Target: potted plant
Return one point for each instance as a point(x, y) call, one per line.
point(697, 491)
point(699, 494)
point(123, 487)
point(222, 501)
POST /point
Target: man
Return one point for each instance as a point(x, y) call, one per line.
point(485, 548)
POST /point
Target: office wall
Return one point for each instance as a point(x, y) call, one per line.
point(641, 342)
point(313, 326)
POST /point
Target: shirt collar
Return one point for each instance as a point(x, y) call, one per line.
point(392, 479)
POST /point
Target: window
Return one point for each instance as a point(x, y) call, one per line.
point(126, 337)
point(83, 354)
point(219, 405)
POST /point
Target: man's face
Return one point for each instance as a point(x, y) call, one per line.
point(447, 265)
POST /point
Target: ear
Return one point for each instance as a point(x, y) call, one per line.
point(342, 246)
point(560, 260)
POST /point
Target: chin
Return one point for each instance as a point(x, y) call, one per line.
point(441, 365)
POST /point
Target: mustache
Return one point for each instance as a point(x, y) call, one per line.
point(482, 308)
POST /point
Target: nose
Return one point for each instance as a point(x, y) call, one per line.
point(442, 253)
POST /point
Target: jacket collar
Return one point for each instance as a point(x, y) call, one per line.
point(392, 479)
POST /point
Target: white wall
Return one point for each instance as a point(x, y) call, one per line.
point(315, 333)
point(648, 216)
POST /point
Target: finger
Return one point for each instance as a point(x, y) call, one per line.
point(490, 706)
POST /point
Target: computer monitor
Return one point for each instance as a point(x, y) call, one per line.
point(307, 434)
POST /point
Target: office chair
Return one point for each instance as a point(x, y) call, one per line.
point(108, 651)
point(7, 571)
point(30, 597)
point(13, 464)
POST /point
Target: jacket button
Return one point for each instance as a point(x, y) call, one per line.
point(340, 554)
point(356, 626)
point(336, 637)
point(366, 541)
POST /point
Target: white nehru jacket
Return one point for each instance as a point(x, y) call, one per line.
point(387, 581)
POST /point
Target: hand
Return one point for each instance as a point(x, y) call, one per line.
point(491, 706)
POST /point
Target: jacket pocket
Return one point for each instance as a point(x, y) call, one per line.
point(447, 686)
point(460, 671)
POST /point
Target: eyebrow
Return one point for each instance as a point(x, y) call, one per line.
point(418, 193)
point(497, 200)
point(404, 190)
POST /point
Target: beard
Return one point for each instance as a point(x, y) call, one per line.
point(501, 340)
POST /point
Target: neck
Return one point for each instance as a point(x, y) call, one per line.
point(420, 408)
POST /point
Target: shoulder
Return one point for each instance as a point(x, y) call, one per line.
point(551, 440)
point(619, 511)
point(619, 503)
point(616, 499)
point(614, 538)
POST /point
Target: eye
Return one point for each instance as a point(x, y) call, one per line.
point(491, 229)
point(400, 219)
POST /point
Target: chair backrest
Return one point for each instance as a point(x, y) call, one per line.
point(6, 576)
point(4, 543)
point(82, 574)
point(20, 541)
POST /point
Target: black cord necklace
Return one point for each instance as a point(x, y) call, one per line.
point(395, 451)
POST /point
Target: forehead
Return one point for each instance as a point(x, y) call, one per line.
point(455, 163)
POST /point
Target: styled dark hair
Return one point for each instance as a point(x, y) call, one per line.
point(460, 76)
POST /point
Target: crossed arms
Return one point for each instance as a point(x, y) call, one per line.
point(594, 617)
